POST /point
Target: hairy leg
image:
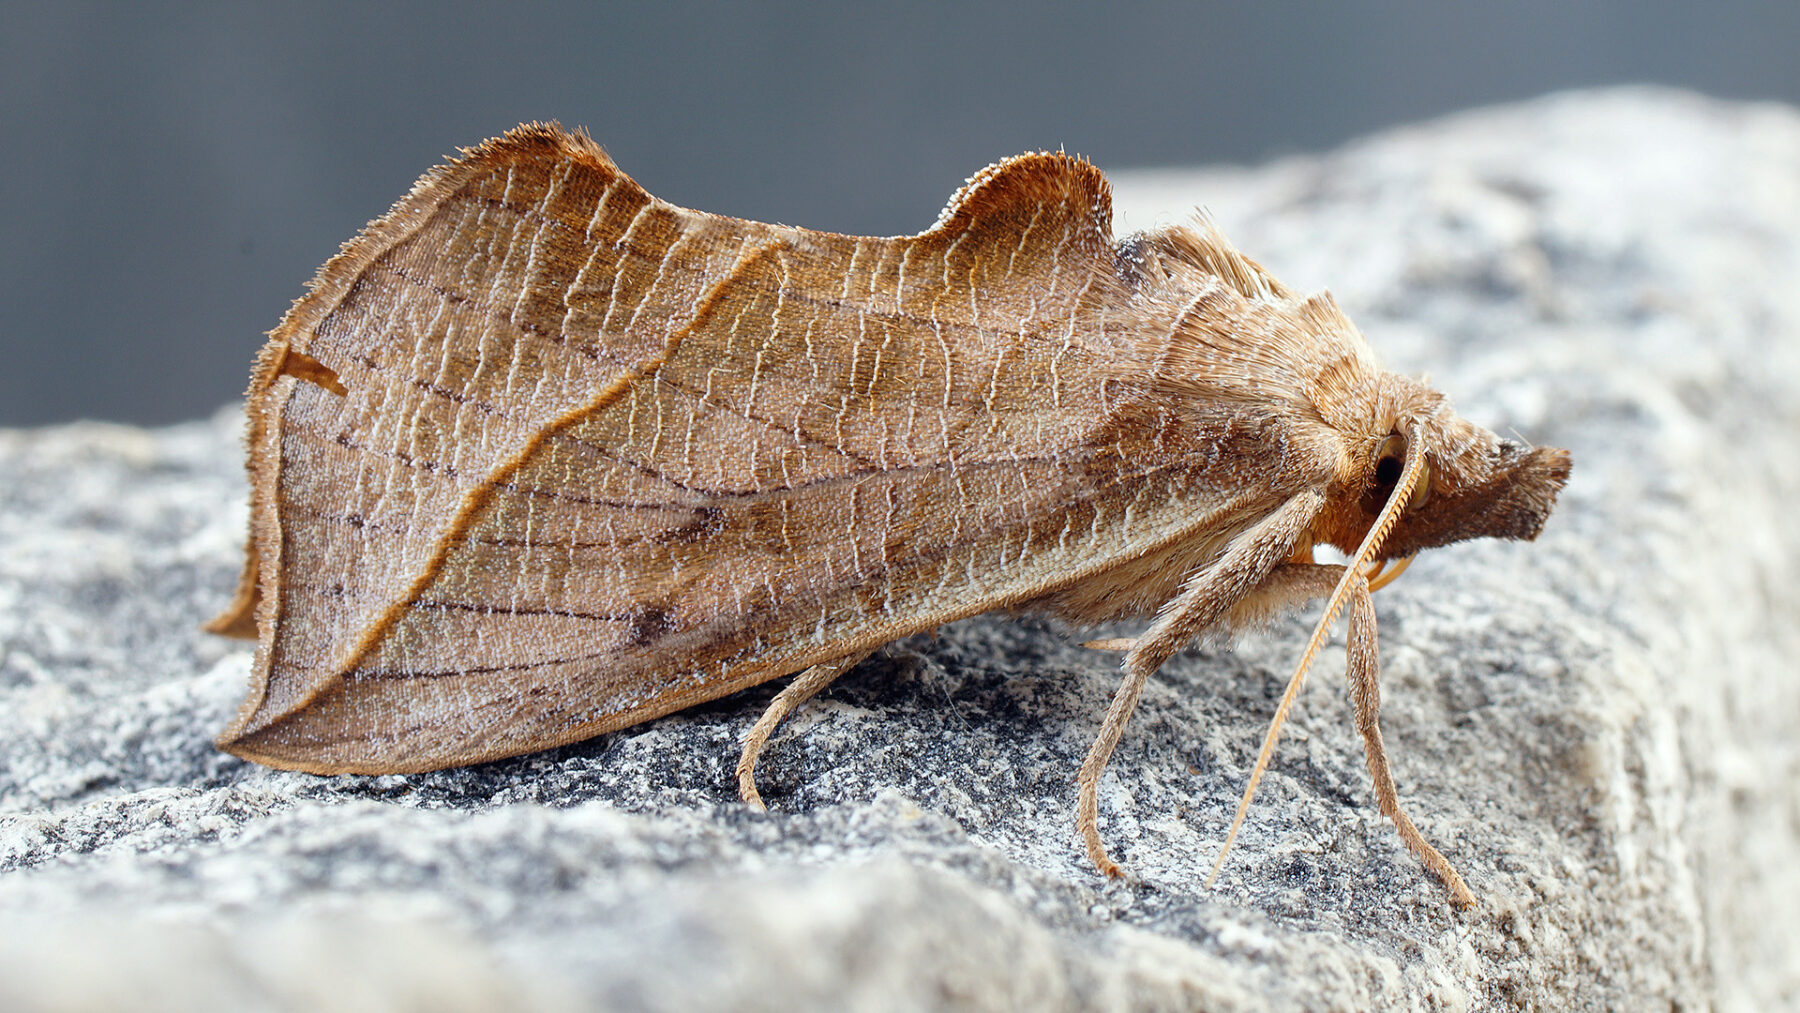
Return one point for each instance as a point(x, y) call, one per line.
point(1205, 599)
point(805, 686)
point(1293, 585)
point(1364, 671)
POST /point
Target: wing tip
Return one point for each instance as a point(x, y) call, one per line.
point(273, 742)
point(1021, 187)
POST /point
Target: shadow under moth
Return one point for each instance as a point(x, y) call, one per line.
point(539, 456)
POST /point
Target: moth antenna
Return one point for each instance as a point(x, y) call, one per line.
point(1378, 532)
point(1372, 572)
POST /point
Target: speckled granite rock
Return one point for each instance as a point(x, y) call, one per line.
point(1598, 728)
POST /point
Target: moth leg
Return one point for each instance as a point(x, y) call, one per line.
point(805, 686)
point(1365, 693)
point(1204, 599)
point(1110, 644)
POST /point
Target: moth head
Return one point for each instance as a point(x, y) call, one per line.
point(1468, 483)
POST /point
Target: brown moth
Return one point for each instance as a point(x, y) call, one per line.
point(539, 456)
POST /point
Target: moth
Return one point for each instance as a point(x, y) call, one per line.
point(538, 456)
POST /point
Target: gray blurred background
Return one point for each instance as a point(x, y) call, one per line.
point(174, 173)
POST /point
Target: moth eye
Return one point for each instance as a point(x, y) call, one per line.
point(1390, 463)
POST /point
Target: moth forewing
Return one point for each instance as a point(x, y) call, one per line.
point(539, 456)
point(617, 458)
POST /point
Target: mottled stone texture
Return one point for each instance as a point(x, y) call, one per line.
point(1597, 728)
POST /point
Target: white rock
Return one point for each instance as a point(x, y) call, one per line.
point(1597, 728)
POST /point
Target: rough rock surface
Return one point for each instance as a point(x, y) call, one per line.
point(1597, 728)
